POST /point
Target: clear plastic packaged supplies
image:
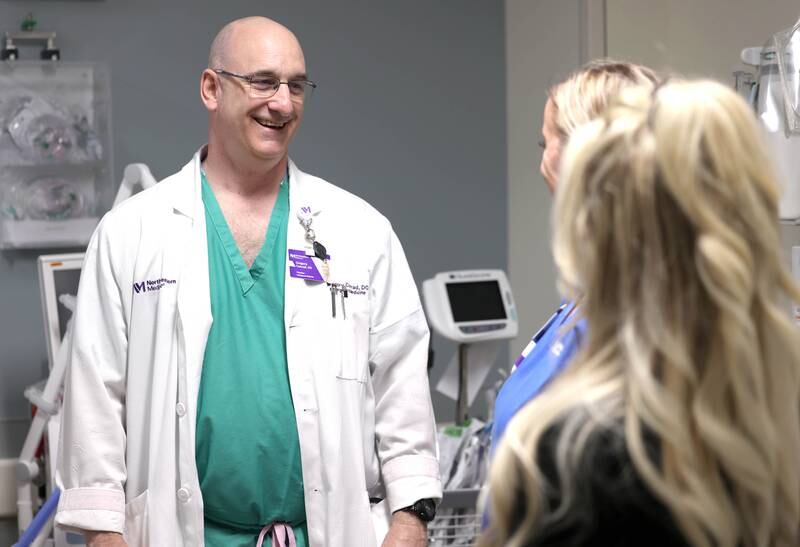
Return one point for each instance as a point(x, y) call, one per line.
point(55, 154)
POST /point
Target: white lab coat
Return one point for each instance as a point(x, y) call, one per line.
point(359, 383)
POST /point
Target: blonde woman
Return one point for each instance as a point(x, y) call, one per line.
point(678, 423)
point(575, 101)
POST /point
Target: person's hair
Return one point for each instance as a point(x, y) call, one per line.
point(586, 92)
point(666, 227)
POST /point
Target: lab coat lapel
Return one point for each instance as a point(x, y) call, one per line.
point(299, 196)
point(194, 298)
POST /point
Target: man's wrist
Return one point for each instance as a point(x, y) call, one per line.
point(408, 520)
point(100, 539)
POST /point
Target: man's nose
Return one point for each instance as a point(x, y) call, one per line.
point(282, 100)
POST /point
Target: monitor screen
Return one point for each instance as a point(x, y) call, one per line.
point(59, 275)
point(476, 301)
point(65, 282)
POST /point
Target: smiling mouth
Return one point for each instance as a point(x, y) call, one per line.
point(270, 124)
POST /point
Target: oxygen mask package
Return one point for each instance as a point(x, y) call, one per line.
point(44, 132)
point(47, 198)
point(55, 163)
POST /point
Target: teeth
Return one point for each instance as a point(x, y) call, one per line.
point(269, 123)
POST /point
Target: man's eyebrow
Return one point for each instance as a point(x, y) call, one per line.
point(272, 74)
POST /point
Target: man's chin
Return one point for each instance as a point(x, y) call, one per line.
point(269, 153)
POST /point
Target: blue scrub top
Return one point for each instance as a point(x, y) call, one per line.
point(549, 351)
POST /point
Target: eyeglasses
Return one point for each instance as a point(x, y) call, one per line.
point(264, 87)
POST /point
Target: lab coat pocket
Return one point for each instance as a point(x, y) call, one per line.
point(352, 338)
point(137, 521)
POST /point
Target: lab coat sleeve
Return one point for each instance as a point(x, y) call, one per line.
point(91, 465)
point(404, 423)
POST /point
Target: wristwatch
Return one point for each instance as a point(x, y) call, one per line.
point(424, 510)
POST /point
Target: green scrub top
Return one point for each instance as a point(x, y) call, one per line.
point(247, 447)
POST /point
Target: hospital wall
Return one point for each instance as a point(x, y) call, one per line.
point(698, 39)
point(408, 115)
point(546, 39)
point(695, 38)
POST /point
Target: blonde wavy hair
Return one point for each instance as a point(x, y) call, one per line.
point(665, 225)
point(585, 94)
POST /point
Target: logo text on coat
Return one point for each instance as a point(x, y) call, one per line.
point(151, 285)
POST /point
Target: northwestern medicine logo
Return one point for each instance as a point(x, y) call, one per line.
point(151, 285)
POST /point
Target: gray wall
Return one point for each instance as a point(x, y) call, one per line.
point(676, 36)
point(409, 115)
point(543, 41)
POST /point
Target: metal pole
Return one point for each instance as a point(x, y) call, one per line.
point(462, 405)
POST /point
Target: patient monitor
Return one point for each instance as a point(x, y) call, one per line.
point(471, 305)
point(476, 309)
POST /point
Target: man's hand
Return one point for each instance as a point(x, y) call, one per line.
point(406, 530)
point(104, 539)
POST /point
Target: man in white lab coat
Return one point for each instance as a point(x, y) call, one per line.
point(249, 358)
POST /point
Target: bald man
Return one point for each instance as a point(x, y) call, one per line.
point(249, 359)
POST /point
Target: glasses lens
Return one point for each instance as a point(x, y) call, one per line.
point(300, 90)
point(264, 86)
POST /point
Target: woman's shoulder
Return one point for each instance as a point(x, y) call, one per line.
point(594, 494)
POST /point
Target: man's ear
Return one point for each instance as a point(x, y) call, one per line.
point(210, 90)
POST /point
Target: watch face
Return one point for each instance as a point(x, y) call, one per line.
point(426, 509)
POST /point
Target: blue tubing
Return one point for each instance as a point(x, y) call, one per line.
point(38, 522)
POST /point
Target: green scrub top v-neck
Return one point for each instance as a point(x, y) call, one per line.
point(247, 447)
